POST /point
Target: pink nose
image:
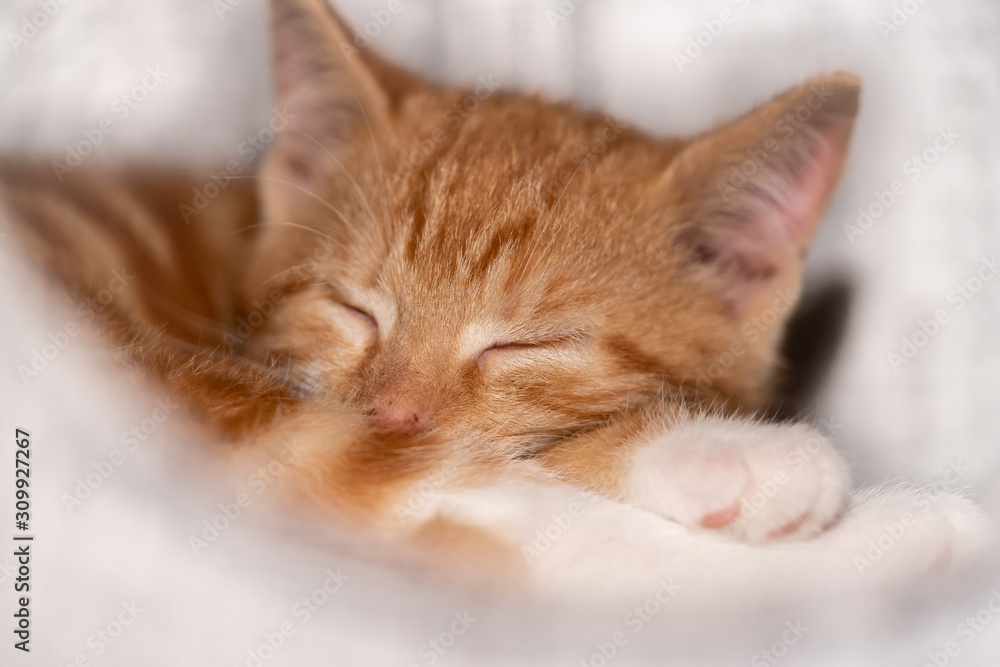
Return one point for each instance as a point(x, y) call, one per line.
point(400, 414)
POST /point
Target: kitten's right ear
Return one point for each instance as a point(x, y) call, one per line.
point(752, 192)
point(324, 88)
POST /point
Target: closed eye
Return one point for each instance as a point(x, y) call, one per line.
point(365, 318)
point(511, 347)
point(498, 350)
point(358, 314)
point(502, 349)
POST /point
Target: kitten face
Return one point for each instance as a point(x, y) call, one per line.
point(473, 304)
point(524, 271)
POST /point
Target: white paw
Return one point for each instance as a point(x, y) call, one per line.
point(902, 533)
point(754, 481)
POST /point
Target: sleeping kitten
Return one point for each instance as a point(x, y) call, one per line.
point(427, 283)
point(544, 283)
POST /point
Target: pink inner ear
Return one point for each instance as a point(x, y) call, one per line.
point(807, 193)
point(756, 237)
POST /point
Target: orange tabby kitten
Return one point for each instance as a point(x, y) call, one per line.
point(414, 290)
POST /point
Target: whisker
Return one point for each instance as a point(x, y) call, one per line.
point(309, 192)
point(357, 189)
point(279, 274)
point(315, 231)
point(188, 316)
point(550, 244)
point(545, 224)
point(290, 224)
point(378, 162)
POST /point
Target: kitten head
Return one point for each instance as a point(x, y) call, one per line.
point(483, 263)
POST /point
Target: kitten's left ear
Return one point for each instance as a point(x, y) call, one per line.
point(328, 91)
point(752, 192)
